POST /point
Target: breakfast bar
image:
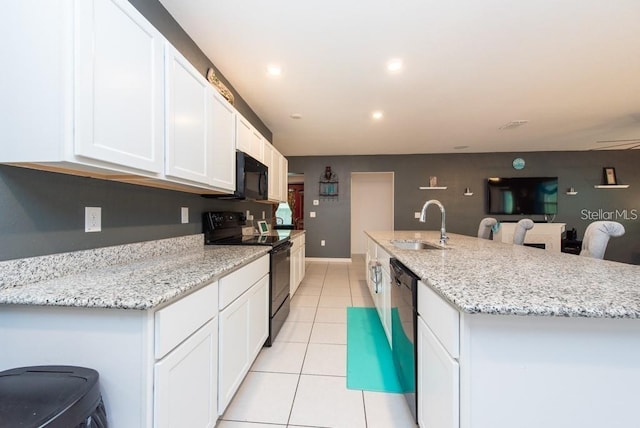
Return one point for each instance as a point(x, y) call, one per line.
point(517, 336)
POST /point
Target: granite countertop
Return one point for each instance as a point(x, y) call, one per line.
point(135, 276)
point(482, 276)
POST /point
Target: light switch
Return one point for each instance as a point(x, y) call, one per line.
point(316, 202)
point(184, 215)
point(312, 214)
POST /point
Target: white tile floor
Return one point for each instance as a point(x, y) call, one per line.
point(301, 380)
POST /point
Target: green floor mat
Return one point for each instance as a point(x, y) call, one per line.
point(369, 360)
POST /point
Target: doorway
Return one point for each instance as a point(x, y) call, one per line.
point(371, 206)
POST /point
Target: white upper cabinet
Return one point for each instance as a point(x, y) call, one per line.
point(277, 173)
point(284, 179)
point(221, 130)
point(118, 86)
point(248, 139)
point(93, 88)
point(187, 99)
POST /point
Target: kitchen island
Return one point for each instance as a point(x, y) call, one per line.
point(153, 319)
point(517, 336)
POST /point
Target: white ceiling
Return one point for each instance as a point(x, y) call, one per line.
point(569, 67)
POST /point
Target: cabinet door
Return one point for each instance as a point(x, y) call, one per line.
point(119, 95)
point(438, 382)
point(248, 139)
point(385, 304)
point(284, 179)
point(233, 349)
point(222, 132)
point(276, 181)
point(186, 120)
point(268, 161)
point(296, 256)
point(185, 386)
point(258, 317)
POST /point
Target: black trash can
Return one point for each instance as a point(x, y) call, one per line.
point(52, 397)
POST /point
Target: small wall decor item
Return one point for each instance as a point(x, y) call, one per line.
point(328, 184)
point(220, 87)
point(609, 175)
point(433, 181)
point(518, 163)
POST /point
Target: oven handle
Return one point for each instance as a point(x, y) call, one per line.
point(282, 247)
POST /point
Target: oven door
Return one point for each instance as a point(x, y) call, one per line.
point(280, 275)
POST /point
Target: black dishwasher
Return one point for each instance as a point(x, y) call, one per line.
point(404, 317)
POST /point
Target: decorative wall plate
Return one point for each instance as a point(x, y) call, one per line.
point(224, 91)
point(518, 163)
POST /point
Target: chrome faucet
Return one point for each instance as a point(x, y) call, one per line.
point(423, 218)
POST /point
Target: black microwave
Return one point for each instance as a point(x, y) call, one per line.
point(251, 179)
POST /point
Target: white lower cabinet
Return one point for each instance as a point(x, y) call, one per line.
point(159, 368)
point(438, 382)
point(186, 382)
point(244, 326)
point(297, 262)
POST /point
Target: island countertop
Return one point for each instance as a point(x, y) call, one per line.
point(135, 276)
point(483, 276)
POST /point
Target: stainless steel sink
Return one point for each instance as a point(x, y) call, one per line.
point(417, 245)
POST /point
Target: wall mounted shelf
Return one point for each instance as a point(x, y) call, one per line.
point(433, 188)
point(468, 194)
point(611, 186)
point(572, 193)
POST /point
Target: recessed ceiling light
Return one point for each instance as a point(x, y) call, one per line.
point(295, 116)
point(394, 65)
point(377, 115)
point(274, 70)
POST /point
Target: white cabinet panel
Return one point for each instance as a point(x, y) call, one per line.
point(186, 382)
point(284, 179)
point(221, 130)
point(441, 317)
point(258, 317)
point(244, 326)
point(177, 321)
point(248, 139)
point(233, 350)
point(438, 382)
point(187, 99)
point(119, 86)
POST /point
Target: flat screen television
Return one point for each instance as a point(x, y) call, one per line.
point(522, 195)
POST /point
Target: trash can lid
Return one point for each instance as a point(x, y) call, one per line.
point(47, 395)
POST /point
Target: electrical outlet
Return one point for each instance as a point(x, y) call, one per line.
point(184, 215)
point(322, 243)
point(263, 217)
point(92, 219)
point(316, 202)
point(416, 215)
point(312, 214)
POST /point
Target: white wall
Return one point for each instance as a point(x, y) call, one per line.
point(371, 206)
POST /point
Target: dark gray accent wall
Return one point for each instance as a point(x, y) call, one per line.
point(582, 170)
point(155, 13)
point(43, 213)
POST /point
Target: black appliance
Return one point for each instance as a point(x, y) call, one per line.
point(225, 228)
point(404, 334)
point(522, 195)
point(251, 179)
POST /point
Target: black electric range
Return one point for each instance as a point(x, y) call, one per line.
point(225, 228)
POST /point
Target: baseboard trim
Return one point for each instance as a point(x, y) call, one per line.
point(327, 259)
